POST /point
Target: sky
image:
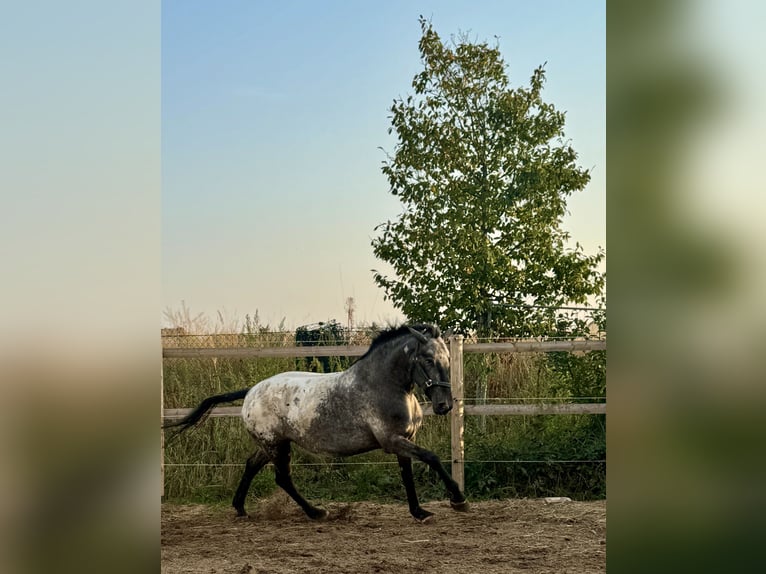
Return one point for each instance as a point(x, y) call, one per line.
point(273, 119)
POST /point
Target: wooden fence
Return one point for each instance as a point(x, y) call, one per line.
point(460, 409)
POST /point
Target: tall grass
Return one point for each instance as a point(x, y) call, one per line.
point(508, 456)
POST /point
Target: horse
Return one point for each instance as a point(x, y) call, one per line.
point(369, 406)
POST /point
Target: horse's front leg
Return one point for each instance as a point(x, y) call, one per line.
point(405, 465)
point(403, 447)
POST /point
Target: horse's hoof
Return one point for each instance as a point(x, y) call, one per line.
point(423, 516)
point(319, 514)
point(459, 506)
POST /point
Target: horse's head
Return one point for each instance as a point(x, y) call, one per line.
point(429, 370)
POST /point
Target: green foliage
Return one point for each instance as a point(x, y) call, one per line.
point(537, 456)
point(484, 173)
point(580, 375)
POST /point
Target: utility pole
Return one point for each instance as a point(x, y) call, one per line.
point(350, 307)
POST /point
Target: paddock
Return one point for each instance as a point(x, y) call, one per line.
point(499, 536)
point(496, 536)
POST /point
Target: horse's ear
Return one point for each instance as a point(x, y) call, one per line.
point(418, 335)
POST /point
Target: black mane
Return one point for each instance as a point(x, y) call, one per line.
point(395, 332)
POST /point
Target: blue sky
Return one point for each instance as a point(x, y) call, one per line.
point(272, 119)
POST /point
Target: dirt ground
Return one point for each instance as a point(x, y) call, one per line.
point(359, 538)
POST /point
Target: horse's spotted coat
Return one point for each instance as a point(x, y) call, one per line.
point(286, 405)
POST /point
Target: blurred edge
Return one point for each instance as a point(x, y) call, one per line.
point(80, 356)
point(686, 395)
point(79, 481)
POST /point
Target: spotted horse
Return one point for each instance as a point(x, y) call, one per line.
point(371, 405)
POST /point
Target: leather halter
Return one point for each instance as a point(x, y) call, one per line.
point(427, 381)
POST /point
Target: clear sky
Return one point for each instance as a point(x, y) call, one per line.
point(272, 118)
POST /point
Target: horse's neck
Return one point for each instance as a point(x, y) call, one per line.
point(389, 362)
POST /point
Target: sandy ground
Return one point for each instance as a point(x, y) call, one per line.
point(359, 538)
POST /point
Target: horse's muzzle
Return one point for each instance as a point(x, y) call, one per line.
point(441, 408)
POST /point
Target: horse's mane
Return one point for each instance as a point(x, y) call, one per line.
point(395, 332)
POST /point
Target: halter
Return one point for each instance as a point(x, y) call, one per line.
point(428, 382)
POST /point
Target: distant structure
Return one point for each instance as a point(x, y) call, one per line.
point(317, 335)
point(172, 331)
point(350, 308)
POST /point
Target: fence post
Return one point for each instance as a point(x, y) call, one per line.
point(458, 412)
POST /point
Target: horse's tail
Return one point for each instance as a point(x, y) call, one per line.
point(198, 415)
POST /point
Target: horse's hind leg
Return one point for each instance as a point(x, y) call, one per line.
point(285, 481)
point(253, 465)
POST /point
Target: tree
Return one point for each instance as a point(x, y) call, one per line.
point(484, 173)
